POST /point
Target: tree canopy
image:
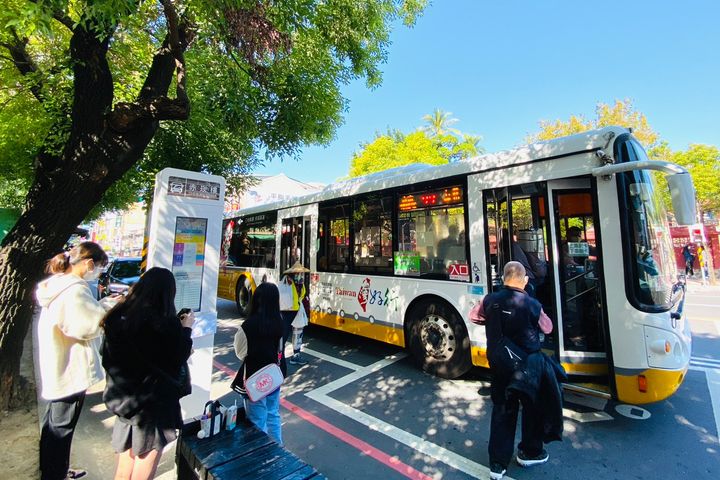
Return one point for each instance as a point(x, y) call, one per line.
point(702, 161)
point(620, 113)
point(262, 78)
point(98, 95)
point(435, 144)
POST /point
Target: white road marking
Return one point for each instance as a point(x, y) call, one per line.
point(328, 358)
point(358, 374)
point(705, 362)
point(425, 447)
point(586, 417)
point(713, 381)
point(432, 450)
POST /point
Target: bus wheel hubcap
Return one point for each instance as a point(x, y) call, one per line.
point(437, 337)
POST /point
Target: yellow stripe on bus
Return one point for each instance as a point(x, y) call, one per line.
point(383, 333)
point(479, 359)
point(660, 385)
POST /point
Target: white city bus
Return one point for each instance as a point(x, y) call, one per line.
point(403, 255)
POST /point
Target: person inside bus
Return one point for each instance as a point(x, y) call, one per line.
point(536, 270)
point(575, 235)
point(448, 245)
point(572, 235)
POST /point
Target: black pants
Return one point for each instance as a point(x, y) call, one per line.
point(502, 431)
point(288, 317)
point(58, 427)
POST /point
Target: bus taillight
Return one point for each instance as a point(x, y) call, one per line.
point(642, 383)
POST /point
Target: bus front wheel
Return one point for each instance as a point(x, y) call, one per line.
point(243, 294)
point(439, 341)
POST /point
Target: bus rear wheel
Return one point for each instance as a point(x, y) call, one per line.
point(243, 295)
point(439, 342)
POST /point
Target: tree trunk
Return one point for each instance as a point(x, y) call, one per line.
point(103, 144)
point(57, 203)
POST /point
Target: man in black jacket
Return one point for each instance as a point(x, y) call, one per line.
point(512, 313)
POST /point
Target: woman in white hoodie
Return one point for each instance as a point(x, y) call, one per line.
point(69, 360)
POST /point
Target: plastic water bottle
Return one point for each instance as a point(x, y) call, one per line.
point(204, 427)
point(231, 417)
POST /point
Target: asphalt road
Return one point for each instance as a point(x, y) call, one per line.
point(360, 409)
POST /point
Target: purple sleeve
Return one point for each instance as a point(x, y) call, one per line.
point(477, 314)
point(545, 323)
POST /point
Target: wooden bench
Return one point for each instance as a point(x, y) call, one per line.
point(243, 453)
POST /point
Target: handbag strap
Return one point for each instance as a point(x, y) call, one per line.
point(279, 360)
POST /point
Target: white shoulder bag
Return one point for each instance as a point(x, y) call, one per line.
point(266, 380)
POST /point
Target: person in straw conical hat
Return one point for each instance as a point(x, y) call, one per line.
point(293, 297)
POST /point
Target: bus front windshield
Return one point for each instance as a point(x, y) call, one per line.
point(650, 243)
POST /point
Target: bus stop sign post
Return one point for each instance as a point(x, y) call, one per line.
point(184, 236)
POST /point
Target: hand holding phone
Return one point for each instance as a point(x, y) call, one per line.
point(187, 317)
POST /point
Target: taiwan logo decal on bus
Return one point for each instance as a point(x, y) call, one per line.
point(364, 294)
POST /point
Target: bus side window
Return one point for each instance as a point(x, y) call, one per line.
point(335, 239)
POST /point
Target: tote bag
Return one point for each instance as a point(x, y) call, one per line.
point(301, 318)
point(287, 300)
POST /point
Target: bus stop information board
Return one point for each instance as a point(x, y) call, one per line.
point(184, 236)
point(188, 261)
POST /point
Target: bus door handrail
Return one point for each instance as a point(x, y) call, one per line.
point(581, 293)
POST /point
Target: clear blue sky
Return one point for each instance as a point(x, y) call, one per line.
point(501, 67)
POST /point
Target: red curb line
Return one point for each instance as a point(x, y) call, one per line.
point(364, 447)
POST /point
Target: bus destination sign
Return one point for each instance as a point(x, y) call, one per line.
point(433, 198)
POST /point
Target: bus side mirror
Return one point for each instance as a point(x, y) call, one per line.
point(682, 193)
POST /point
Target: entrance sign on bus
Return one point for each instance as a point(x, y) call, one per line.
point(185, 231)
point(402, 256)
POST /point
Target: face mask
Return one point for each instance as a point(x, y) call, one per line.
point(93, 274)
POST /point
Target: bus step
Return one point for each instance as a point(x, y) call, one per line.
point(594, 389)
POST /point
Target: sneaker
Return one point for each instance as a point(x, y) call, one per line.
point(73, 473)
point(497, 471)
point(296, 360)
point(528, 461)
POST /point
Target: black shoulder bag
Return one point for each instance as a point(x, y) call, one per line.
point(506, 357)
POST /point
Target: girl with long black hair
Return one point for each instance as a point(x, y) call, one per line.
point(259, 342)
point(145, 344)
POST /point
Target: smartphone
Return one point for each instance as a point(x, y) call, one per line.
point(183, 311)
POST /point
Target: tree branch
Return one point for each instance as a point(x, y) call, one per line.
point(126, 116)
point(60, 16)
point(153, 104)
point(24, 63)
point(177, 48)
